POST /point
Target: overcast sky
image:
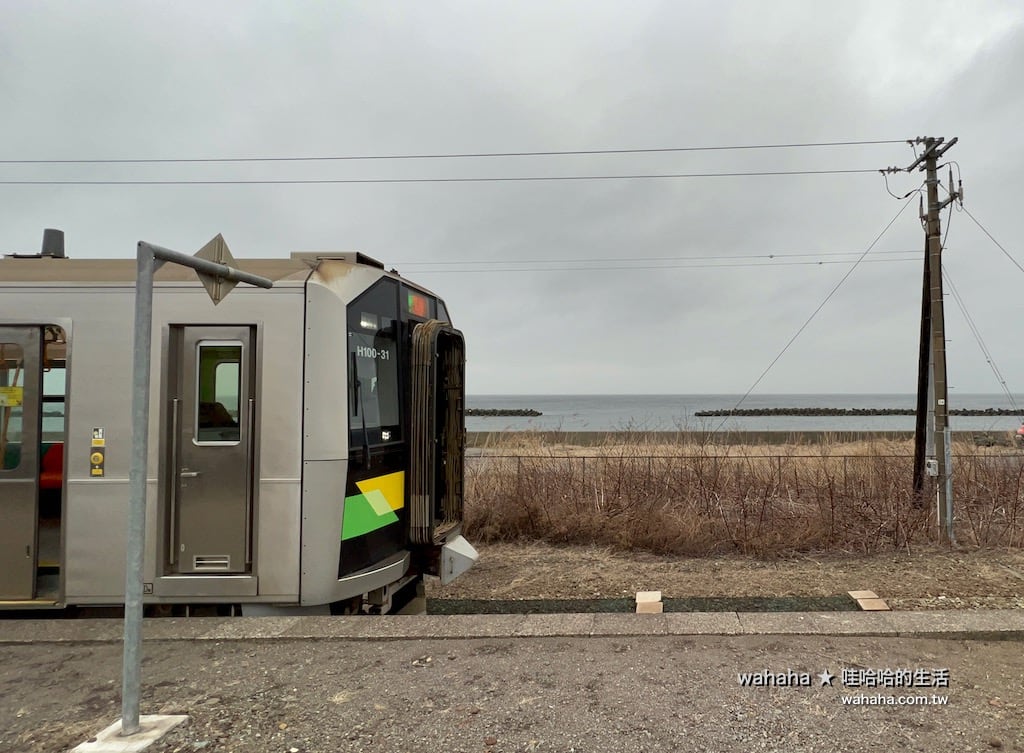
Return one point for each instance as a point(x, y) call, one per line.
point(108, 80)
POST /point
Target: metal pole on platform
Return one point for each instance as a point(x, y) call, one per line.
point(149, 259)
point(131, 670)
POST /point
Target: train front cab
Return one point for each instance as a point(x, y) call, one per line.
point(384, 421)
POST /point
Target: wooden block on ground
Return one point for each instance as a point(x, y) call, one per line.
point(649, 607)
point(644, 596)
point(873, 605)
point(863, 595)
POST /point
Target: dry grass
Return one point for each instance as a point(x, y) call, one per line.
point(773, 500)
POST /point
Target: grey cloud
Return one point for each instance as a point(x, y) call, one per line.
point(126, 80)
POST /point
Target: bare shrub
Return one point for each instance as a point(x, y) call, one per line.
point(758, 500)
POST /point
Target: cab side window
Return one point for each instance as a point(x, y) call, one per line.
point(373, 390)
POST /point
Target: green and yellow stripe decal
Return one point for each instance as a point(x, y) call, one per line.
point(375, 506)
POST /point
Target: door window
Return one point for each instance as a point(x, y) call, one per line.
point(219, 384)
point(54, 397)
point(12, 390)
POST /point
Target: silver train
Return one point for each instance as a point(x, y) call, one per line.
point(306, 442)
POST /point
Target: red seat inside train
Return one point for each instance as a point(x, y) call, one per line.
point(51, 475)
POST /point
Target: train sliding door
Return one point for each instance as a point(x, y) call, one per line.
point(20, 388)
point(211, 416)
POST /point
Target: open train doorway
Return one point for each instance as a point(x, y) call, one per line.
point(33, 387)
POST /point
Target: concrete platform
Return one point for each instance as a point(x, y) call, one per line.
point(1005, 624)
point(541, 682)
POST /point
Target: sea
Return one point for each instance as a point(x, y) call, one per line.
point(677, 412)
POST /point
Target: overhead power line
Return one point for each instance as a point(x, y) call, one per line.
point(981, 342)
point(464, 155)
point(492, 179)
point(998, 244)
point(722, 257)
point(628, 267)
point(816, 311)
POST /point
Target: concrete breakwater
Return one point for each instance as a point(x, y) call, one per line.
point(849, 412)
point(502, 412)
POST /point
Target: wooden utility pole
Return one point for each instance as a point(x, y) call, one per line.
point(941, 464)
point(932, 356)
point(923, 380)
point(940, 390)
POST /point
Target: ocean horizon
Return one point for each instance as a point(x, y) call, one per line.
point(574, 412)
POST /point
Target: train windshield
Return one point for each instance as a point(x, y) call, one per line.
point(373, 394)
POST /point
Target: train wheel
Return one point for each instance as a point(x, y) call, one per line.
point(347, 606)
point(410, 599)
